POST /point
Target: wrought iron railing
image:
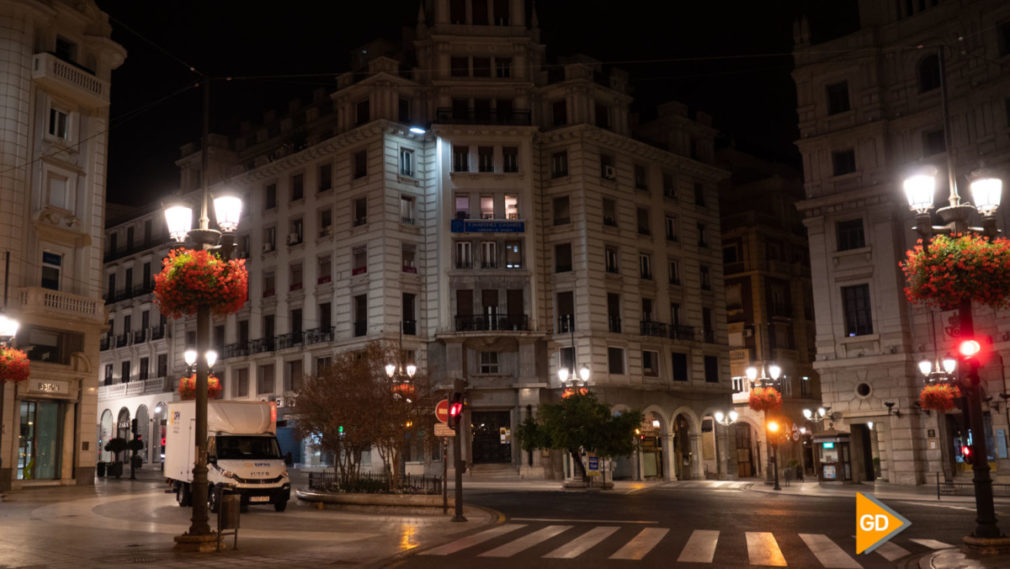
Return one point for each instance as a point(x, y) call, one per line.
point(374, 484)
point(482, 322)
point(650, 328)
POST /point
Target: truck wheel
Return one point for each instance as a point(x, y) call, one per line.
point(281, 506)
point(214, 499)
point(182, 495)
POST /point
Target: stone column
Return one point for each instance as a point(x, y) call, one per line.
point(696, 471)
point(669, 460)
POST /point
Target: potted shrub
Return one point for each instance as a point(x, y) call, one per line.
point(135, 459)
point(116, 446)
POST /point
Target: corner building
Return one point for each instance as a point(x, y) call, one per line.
point(529, 227)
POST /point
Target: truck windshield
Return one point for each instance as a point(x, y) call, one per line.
point(232, 447)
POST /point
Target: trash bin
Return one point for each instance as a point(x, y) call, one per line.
point(228, 517)
point(100, 469)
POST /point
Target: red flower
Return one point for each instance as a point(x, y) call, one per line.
point(13, 365)
point(190, 278)
point(959, 268)
point(764, 399)
point(187, 387)
point(939, 397)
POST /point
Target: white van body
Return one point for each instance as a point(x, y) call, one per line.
point(242, 452)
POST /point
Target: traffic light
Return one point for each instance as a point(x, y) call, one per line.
point(966, 453)
point(133, 426)
point(969, 349)
point(456, 404)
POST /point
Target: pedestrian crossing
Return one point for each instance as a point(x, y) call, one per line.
point(765, 549)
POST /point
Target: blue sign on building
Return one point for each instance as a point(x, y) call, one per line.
point(594, 463)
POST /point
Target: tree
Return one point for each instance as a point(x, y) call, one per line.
point(116, 446)
point(581, 422)
point(134, 447)
point(352, 406)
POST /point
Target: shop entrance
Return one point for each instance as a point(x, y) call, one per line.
point(40, 440)
point(492, 437)
point(744, 455)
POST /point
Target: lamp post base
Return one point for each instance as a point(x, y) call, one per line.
point(197, 543)
point(986, 545)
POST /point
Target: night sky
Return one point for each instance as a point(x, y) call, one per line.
point(730, 59)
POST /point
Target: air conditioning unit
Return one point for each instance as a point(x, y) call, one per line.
point(293, 239)
point(609, 172)
point(748, 332)
point(268, 247)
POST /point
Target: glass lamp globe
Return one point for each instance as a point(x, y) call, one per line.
point(227, 210)
point(774, 371)
point(925, 367)
point(808, 413)
point(719, 416)
point(986, 193)
point(949, 365)
point(211, 358)
point(919, 190)
point(189, 356)
point(733, 416)
point(8, 327)
point(821, 411)
point(179, 220)
point(584, 373)
point(390, 370)
point(563, 374)
point(411, 370)
point(751, 372)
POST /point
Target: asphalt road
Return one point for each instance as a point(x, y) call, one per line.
point(688, 527)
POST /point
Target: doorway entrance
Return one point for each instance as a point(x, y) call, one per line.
point(492, 437)
point(682, 454)
point(744, 454)
point(40, 440)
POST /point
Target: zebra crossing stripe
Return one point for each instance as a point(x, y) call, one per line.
point(525, 542)
point(641, 544)
point(891, 551)
point(828, 553)
point(931, 543)
point(472, 540)
point(583, 543)
point(762, 549)
point(700, 547)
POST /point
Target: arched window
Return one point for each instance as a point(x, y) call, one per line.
point(929, 73)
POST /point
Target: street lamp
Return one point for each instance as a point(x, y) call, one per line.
point(568, 378)
point(765, 377)
point(773, 434)
point(179, 219)
point(726, 419)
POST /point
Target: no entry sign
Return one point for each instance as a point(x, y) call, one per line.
point(442, 411)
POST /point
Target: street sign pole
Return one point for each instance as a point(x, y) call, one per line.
point(445, 476)
point(459, 386)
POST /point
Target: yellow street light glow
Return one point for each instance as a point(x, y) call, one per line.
point(773, 426)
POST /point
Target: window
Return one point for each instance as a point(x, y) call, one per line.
point(407, 314)
point(559, 164)
point(674, 272)
point(701, 235)
point(670, 226)
point(297, 187)
point(359, 260)
point(485, 159)
point(856, 305)
point(59, 124)
point(566, 311)
point(669, 188)
point(929, 73)
point(562, 210)
point(510, 159)
point(610, 212)
point(679, 362)
point(614, 312)
point(513, 255)
point(838, 97)
point(110, 289)
point(60, 195)
point(325, 177)
point(271, 196)
point(610, 256)
point(460, 158)
point(407, 254)
point(602, 114)
point(295, 280)
point(479, 13)
point(707, 326)
point(269, 239)
point(501, 12)
point(645, 266)
point(643, 221)
point(706, 277)
point(125, 375)
point(269, 285)
point(511, 207)
point(325, 317)
point(488, 255)
point(482, 67)
point(242, 382)
point(459, 66)
point(324, 270)
point(650, 363)
point(464, 258)
point(360, 315)
point(731, 254)
point(711, 369)
point(607, 167)
point(361, 113)
point(51, 266)
point(295, 232)
point(641, 178)
point(406, 162)
point(403, 110)
point(850, 234)
point(145, 368)
point(647, 309)
point(265, 379)
point(563, 258)
point(462, 206)
point(933, 143)
point(162, 365)
point(325, 222)
point(489, 362)
point(407, 209)
point(65, 49)
point(360, 164)
point(843, 162)
point(559, 112)
point(566, 358)
point(1003, 33)
point(615, 360)
point(699, 195)
point(108, 374)
point(487, 207)
point(293, 375)
point(503, 67)
point(128, 281)
point(360, 211)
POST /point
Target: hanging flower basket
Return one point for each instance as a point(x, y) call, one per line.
point(190, 278)
point(939, 397)
point(764, 399)
point(955, 269)
point(187, 387)
point(13, 365)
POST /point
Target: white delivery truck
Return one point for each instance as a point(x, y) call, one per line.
point(242, 453)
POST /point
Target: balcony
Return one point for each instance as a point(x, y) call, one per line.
point(289, 340)
point(130, 388)
point(709, 335)
point(69, 80)
point(410, 327)
point(317, 335)
point(565, 323)
point(261, 345)
point(448, 115)
point(123, 340)
point(463, 264)
point(139, 336)
point(614, 324)
point(235, 350)
point(359, 270)
point(482, 322)
point(656, 329)
point(157, 332)
point(679, 332)
point(360, 328)
point(105, 343)
point(38, 301)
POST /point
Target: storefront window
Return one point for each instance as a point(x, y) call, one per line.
point(39, 440)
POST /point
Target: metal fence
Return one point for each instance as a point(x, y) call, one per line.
point(368, 483)
point(949, 488)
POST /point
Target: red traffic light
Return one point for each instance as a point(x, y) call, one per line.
point(455, 409)
point(969, 348)
point(966, 452)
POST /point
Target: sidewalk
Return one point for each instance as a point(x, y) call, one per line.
point(883, 490)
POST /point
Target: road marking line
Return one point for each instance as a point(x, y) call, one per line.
point(828, 553)
point(472, 540)
point(931, 543)
point(525, 542)
point(583, 543)
point(891, 551)
point(641, 544)
point(700, 547)
point(762, 549)
point(574, 520)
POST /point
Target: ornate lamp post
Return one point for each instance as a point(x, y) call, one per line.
point(571, 381)
point(773, 438)
point(179, 219)
point(769, 376)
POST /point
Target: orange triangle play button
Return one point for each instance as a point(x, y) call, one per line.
point(875, 523)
